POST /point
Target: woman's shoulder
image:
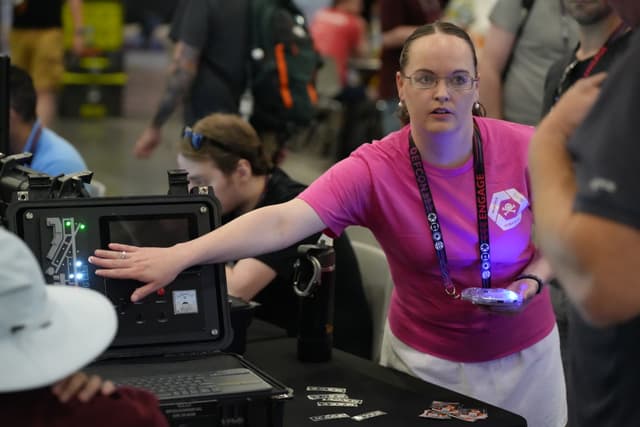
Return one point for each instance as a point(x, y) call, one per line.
point(503, 132)
point(390, 146)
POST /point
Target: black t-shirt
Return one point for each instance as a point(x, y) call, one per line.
point(575, 70)
point(279, 303)
point(38, 14)
point(604, 375)
point(603, 370)
point(605, 148)
point(219, 29)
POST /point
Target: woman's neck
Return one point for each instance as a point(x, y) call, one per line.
point(444, 149)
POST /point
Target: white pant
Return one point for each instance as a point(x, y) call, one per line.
point(529, 383)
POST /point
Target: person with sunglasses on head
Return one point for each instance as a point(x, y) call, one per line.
point(225, 152)
point(448, 199)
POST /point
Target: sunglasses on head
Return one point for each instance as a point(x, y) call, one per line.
point(197, 139)
point(194, 138)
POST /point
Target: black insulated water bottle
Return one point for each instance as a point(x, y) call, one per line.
point(313, 282)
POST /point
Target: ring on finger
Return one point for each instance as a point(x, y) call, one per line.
point(123, 255)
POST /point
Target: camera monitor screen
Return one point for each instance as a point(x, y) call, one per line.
point(162, 231)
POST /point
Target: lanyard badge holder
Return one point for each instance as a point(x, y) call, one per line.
point(313, 282)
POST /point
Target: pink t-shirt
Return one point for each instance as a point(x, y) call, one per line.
point(337, 34)
point(375, 187)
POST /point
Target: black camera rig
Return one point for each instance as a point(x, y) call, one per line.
point(21, 183)
point(63, 225)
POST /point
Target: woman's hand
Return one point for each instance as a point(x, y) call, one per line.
point(155, 267)
point(81, 386)
point(526, 289)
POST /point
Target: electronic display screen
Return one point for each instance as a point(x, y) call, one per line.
point(150, 230)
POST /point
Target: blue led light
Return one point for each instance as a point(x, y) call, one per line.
point(78, 263)
point(79, 276)
point(72, 276)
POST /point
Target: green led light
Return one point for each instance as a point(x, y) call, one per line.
point(82, 226)
point(67, 223)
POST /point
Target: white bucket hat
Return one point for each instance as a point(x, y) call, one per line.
point(46, 332)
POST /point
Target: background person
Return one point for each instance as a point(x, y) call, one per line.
point(584, 162)
point(51, 154)
point(37, 46)
point(603, 37)
point(398, 19)
point(47, 334)
point(510, 361)
point(207, 73)
point(517, 55)
point(340, 33)
point(224, 151)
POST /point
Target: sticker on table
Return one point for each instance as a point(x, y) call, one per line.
point(327, 396)
point(470, 414)
point(328, 417)
point(433, 414)
point(346, 404)
point(342, 399)
point(368, 415)
point(327, 389)
point(446, 407)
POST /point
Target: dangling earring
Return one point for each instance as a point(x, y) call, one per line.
point(478, 110)
point(401, 104)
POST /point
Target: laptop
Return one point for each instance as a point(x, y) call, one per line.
point(170, 342)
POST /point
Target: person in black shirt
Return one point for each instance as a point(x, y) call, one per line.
point(224, 151)
point(583, 162)
point(208, 71)
point(603, 37)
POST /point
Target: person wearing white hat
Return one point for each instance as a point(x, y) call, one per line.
point(47, 334)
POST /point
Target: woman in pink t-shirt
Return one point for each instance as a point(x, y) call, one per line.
point(448, 199)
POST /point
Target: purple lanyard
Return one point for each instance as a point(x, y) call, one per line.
point(434, 223)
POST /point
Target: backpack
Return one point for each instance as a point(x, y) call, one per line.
point(282, 66)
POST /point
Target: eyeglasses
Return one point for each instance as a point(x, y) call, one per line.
point(459, 81)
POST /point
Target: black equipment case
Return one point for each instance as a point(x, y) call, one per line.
point(179, 329)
